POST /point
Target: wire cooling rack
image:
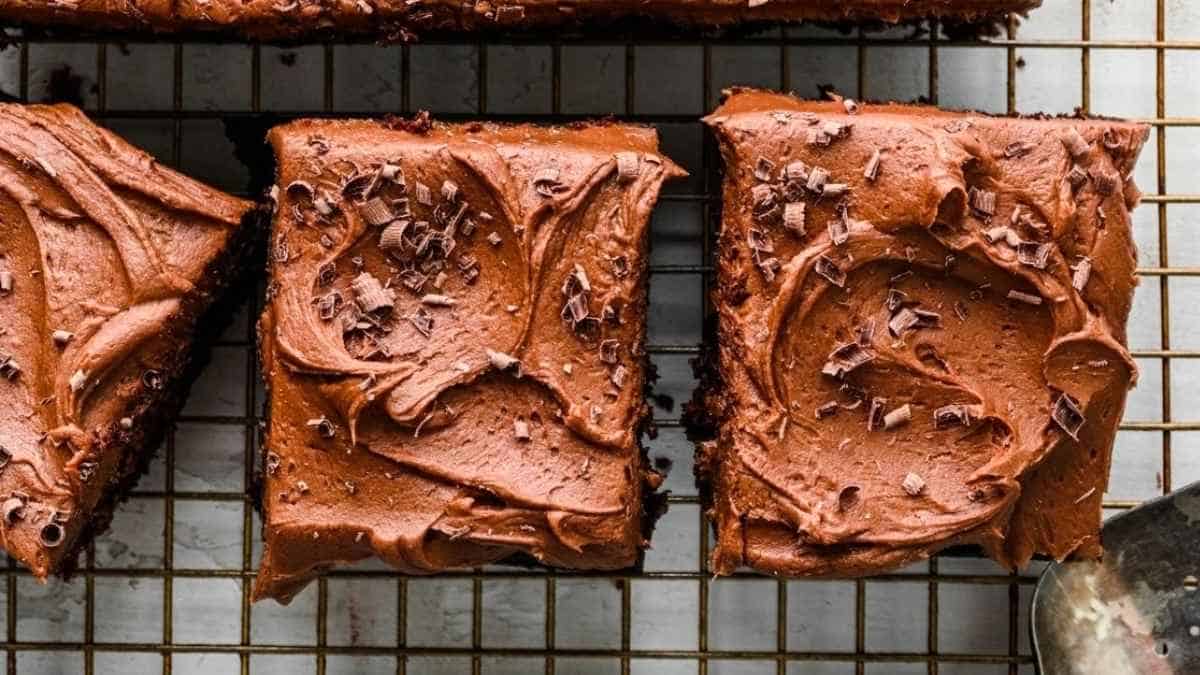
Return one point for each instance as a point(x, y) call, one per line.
point(167, 590)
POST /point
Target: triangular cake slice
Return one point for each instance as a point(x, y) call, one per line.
point(108, 261)
point(922, 333)
point(454, 346)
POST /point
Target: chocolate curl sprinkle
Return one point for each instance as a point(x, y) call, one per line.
point(898, 417)
point(370, 294)
point(1067, 415)
point(846, 358)
point(628, 166)
point(1083, 272)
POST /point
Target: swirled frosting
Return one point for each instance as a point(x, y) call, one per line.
point(296, 19)
point(454, 346)
point(106, 260)
point(922, 333)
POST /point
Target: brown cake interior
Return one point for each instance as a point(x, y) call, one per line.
point(921, 333)
point(453, 345)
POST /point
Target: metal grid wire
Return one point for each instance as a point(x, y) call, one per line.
point(92, 653)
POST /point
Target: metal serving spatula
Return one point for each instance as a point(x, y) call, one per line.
point(1135, 611)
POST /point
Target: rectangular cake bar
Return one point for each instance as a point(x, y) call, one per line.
point(453, 346)
point(108, 265)
point(921, 333)
point(402, 19)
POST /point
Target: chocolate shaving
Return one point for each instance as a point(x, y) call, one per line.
point(609, 350)
point(78, 380)
point(898, 417)
point(955, 414)
point(450, 191)
point(846, 358)
point(152, 380)
point(628, 166)
point(521, 429)
point(1027, 298)
point(494, 239)
point(827, 410)
point(6, 281)
point(422, 321)
point(866, 333)
point(960, 310)
point(392, 238)
point(502, 361)
point(764, 169)
point(1067, 415)
point(52, 535)
point(829, 269)
point(62, 337)
point(839, 229)
point(902, 321)
point(376, 212)
point(913, 484)
point(796, 172)
point(794, 214)
point(423, 194)
point(1034, 254)
point(370, 294)
point(1075, 143)
point(437, 300)
point(1110, 140)
point(575, 310)
point(325, 206)
point(1005, 233)
point(326, 273)
point(762, 198)
point(329, 305)
point(545, 182)
point(618, 376)
point(817, 179)
point(413, 280)
point(1017, 149)
point(1083, 272)
point(13, 510)
point(9, 367)
point(957, 126)
point(5, 456)
point(834, 190)
point(983, 201)
point(819, 137)
point(1105, 182)
point(759, 241)
point(770, 268)
point(323, 426)
point(850, 105)
point(1077, 177)
point(875, 413)
point(871, 170)
point(895, 298)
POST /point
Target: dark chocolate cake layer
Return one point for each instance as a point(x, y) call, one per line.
point(453, 346)
point(107, 261)
point(298, 19)
point(921, 333)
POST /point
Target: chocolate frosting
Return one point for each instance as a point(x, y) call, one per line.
point(931, 350)
point(295, 19)
point(454, 346)
point(102, 256)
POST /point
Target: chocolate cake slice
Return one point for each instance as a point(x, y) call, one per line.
point(108, 261)
point(453, 346)
point(921, 333)
point(402, 19)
